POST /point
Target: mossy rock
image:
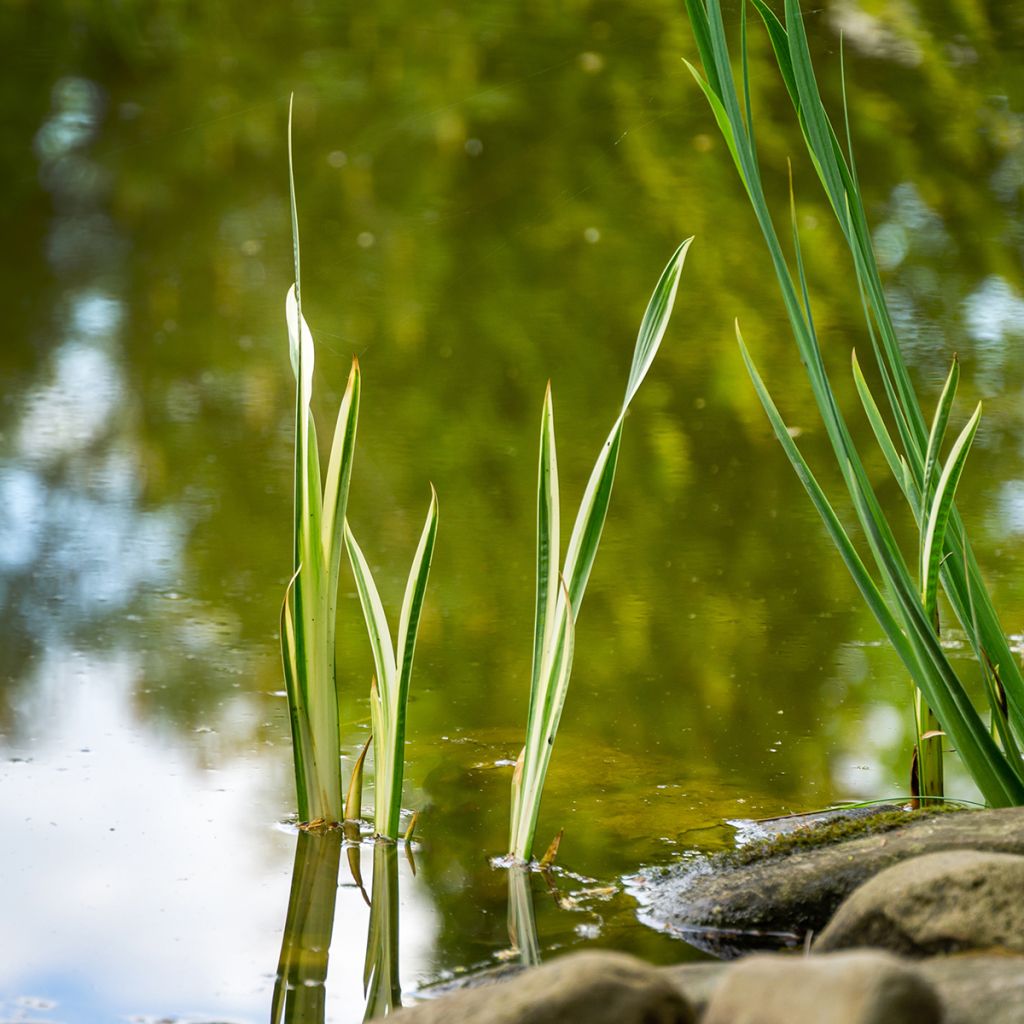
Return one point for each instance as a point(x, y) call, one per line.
point(779, 891)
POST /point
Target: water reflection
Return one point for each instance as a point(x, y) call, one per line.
point(300, 995)
point(522, 924)
point(491, 197)
point(381, 981)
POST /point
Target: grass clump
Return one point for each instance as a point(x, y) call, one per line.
point(560, 593)
point(902, 596)
point(311, 599)
point(309, 614)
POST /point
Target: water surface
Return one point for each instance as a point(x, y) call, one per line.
point(487, 197)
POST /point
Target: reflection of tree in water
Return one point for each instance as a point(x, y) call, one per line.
point(76, 546)
point(491, 210)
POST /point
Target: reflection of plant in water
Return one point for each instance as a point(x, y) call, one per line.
point(299, 993)
point(522, 924)
point(381, 982)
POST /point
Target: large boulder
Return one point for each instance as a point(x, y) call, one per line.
point(595, 988)
point(978, 988)
point(722, 905)
point(845, 988)
point(937, 903)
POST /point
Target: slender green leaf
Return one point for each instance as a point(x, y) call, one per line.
point(655, 321)
point(938, 432)
point(377, 627)
point(896, 464)
point(938, 515)
point(547, 538)
point(408, 627)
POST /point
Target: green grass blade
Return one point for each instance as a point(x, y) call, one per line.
point(408, 627)
point(376, 626)
point(297, 712)
point(555, 674)
point(938, 515)
point(721, 116)
point(702, 34)
point(896, 464)
point(938, 432)
point(780, 44)
point(935, 677)
point(335, 502)
point(547, 538)
point(821, 137)
point(655, 321)
point(590, 520)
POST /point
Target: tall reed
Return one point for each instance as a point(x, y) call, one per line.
point(310, 607)
point(905, 607)
point(560, 593)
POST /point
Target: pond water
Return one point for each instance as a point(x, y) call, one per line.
point(487, 196)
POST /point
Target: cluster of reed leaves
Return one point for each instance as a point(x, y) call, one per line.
point(905, 607)
point(309, 613)
point(560, 593)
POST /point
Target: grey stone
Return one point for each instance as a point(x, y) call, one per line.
point(787, 896)
point(591, 988)
point(937, 903)
point(844, 988)
point(696, 981)
point(977, 988)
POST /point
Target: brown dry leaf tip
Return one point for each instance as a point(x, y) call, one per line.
point(932, 734)
point(549, 858)
point(517, 773)
point(412, 825)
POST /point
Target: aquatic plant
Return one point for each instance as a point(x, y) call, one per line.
point(560, 594)
point(904, 606)
point(309, 613)
point(389, 690)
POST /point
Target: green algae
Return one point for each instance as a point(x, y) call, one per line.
point(830, 833)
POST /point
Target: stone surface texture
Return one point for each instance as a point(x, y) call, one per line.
point(978, 988)
point(863, 987)
point(596, 988)
point(697, 981)
point(937, 903)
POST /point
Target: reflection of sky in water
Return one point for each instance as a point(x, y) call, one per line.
point(1011, 506)
point(74, 541)
point(175, 897)
point(994, 314)
point(69, 493)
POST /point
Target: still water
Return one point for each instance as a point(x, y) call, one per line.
point(487, 196)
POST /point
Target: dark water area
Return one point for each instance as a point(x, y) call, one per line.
point(487, 196)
